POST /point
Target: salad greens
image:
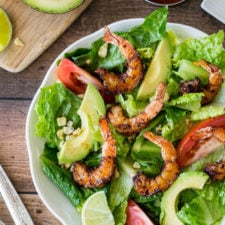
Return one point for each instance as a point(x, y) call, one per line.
point(196, 207)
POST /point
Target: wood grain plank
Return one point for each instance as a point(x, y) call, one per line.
point(13, 150)
point(17, 90)
point(97, 15)
point(39, 213)
point(35, 29)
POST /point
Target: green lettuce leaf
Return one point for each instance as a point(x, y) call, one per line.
point(207, 208)
point(152, 30)
point(209, 48)
point(130, 105)
point(121, 186)
point(207, 111)
point(146, 153)
point(176, 125)
point(190, 101)
point(146, 35)
point(120, 189)
point(61, 177)
point(55, 101)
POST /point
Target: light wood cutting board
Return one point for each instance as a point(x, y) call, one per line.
point(35, 29)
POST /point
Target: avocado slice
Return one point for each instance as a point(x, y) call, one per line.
point(76, 147)
point(53, 6)
point(159, 69)
point(192, 179)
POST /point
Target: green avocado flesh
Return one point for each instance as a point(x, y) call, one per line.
point(158, 71)
point(53, 6)
point(192, 179)
point(77, 147)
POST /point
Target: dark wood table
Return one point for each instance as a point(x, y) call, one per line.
point(17, 90)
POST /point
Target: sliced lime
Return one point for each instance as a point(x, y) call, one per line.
point(96, 210)
point(5, 30)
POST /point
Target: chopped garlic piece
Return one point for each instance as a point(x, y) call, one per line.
point(18, 42)
point(61, 121)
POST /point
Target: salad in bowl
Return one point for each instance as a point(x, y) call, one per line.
point(128, 127)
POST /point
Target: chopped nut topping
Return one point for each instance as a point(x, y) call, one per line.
point(77, 132)
point(61, 121)
point(60, 134)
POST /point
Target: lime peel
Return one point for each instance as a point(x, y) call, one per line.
point(5, 30)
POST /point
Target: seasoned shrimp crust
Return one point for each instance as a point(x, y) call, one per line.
point(92, 177)
point(148, 186)
point(126, 81)
point(129, 126)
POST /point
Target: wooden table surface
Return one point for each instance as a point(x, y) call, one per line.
point(17, 90)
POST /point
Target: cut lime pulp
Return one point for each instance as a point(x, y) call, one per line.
point(96, 210)
point(5, 30)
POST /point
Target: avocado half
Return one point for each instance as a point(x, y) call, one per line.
point(169, 203)
point(53, 6)
point(77, 147)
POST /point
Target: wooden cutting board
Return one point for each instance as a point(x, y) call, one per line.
point(35, 29)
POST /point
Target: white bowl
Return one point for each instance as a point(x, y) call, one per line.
point(52, 197)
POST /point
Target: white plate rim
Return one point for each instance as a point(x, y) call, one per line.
point(42, 183)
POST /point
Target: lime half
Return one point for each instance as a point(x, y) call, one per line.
point(5, 30)
point(96, 210)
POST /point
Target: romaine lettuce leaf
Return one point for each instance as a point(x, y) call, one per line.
point(61, 177)
point(189, 102)
point(146, 153)
point(209, 48)
point(152, 30)
point(144, 35)
point(55, 101)
point(207, 208)
point(120, 189)
point(129, 104)
point(121, 186)
point(176, 125)
point(207, 111)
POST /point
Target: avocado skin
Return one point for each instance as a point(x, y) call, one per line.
point(159, 69)
point(191, 179)
point(52, 6)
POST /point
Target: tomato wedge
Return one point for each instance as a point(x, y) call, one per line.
point(135, 215)
point(185, 155)
point(75, 78)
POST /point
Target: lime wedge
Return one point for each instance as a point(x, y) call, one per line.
point(5, 30)
point(96, 210)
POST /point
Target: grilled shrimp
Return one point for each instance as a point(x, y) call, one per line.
point(148, 186)
point(215, 80)
point(216, 170)
point(91, 177)
point(124, 82)
point(132, 125)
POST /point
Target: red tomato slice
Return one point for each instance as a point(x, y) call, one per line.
point(184, 155)
point(135, 215)
point(75, 78)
